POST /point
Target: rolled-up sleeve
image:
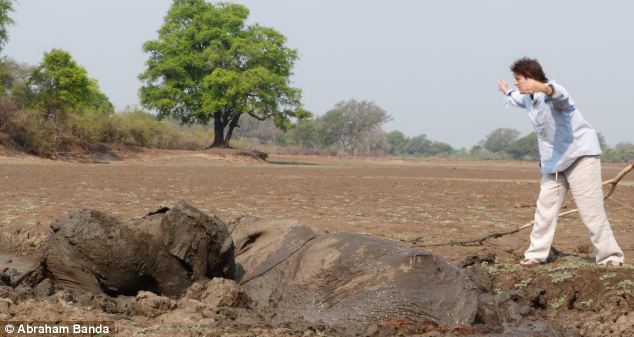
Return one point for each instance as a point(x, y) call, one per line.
point(514, 98)
point(560, 99)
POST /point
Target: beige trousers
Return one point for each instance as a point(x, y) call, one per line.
point(583, 178)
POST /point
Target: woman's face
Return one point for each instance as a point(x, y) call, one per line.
point(519, 78)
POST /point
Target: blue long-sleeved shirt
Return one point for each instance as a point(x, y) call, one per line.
point(563, 135)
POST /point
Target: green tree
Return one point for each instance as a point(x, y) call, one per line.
point(397, 141)
point(306, 133)
point(350, 124)
point(440, 149)
point(59, 85)
point(418, 145)
point(621, 153)
point(208, 65)
point(624, 152)
point(475, 150)
point(524, 148)
point(500, 139)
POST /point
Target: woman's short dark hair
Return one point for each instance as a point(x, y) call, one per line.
point(529, 68)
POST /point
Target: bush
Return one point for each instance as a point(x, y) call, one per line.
point(90, 127)
point(525, 148)
point(621, 153)
point(179, 136)
point(34, 134)
point(499, 140)
point(139, 128)
point(83, 132)
point(136, 128)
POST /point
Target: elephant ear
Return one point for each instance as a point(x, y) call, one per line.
point(201, 241)
point(263, 244)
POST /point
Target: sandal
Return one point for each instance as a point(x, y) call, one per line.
point(529, 262)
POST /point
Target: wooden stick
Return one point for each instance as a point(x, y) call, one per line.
point(478, 241)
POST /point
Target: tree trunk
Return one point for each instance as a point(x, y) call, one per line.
point(232, 125)
point(219, 129)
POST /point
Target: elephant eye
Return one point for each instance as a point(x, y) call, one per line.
point(250, 240)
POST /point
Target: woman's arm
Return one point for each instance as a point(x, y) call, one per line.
point(558, 94)
point(513, 96)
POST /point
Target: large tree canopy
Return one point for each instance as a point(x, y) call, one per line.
point(59, 85)
point(208, 65)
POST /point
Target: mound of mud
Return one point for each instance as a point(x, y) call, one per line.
point(91, 252)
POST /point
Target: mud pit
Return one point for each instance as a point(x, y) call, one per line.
point(350, 283)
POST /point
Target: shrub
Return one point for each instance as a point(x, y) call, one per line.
point(82, 132)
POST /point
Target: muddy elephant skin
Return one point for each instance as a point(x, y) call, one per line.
point(165, 252)
point(347, 279)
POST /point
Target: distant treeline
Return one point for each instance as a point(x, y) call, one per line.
point(355, 128)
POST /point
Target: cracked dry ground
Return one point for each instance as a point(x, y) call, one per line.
point(421, 200)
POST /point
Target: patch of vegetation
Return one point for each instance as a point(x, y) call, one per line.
point(321, 333)
point(624, 287)
point(490, 268)
point(607, 276)
point(587, 303)
point(561, 276)
point(146, 330)
point(501, 267)
point(557, 303)
point(523, 284)
point(568, 265)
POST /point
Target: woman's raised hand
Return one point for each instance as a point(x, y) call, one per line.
point(503, 87)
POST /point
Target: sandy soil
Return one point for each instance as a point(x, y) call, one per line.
point(413, 201)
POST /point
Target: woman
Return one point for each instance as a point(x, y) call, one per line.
point(569, 159)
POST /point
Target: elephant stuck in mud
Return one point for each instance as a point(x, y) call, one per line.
point(163, 252)
point(346, 278)
point(342, 278)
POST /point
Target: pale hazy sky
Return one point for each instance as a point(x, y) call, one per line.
point(432, 65)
